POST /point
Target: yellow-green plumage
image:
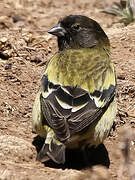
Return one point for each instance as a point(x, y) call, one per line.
point(76, 105)
point(82, 67)
point(37, 117)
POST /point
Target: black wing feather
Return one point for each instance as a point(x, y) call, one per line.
point(64, 122)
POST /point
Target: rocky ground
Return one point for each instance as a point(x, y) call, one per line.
point(25, 47)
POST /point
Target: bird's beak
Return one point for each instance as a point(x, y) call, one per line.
point(57, 31)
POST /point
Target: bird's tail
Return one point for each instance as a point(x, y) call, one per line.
point(52, 149)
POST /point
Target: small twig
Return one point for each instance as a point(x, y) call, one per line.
point(31, 48)
point(39, 42)
point(41, 63)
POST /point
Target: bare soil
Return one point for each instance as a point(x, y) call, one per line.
point(25, 47)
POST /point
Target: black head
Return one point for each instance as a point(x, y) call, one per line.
point(76, 31)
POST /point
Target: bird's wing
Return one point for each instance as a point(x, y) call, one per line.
point(70, 109)
point(85, 114)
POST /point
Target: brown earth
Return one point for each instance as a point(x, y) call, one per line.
point(25, 46)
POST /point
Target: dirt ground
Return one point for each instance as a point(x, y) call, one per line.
point(25, 46)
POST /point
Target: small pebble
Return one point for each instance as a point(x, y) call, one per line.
point(8, 66)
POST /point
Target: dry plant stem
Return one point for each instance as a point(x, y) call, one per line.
point(125, 9)
point(125, 149)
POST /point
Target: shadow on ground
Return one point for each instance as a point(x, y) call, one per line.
point(75, 158)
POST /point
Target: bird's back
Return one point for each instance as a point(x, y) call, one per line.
point(81, 68)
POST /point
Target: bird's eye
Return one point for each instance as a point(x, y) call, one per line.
point(76, 26)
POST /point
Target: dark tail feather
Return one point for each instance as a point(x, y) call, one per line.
point(52, 151)
point(42, 155)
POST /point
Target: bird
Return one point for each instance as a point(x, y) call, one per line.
point(76, 105)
